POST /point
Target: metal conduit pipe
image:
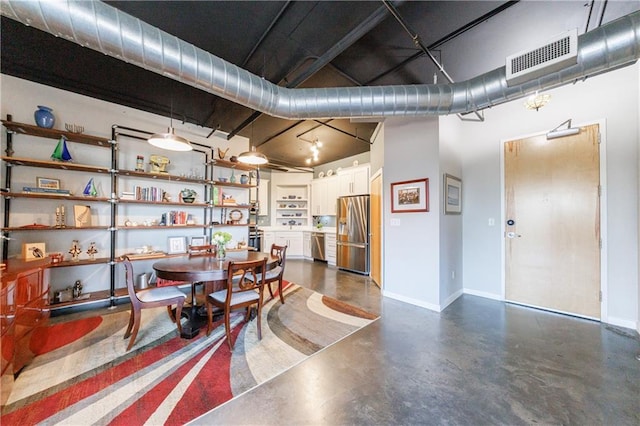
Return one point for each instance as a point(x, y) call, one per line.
point(101, 27)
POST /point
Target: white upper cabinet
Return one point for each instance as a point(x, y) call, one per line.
point(353, 181)
point(323, 196)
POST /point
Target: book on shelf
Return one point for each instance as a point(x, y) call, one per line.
point(176, 218)
point(35, 190)
point(148, 193)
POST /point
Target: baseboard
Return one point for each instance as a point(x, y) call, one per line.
point(412, 301)
point(449, 300)
point(483, 294)
point(619, 322)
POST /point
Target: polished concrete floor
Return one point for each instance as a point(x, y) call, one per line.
point(480, 362)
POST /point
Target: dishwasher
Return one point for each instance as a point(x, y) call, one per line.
point(317, 246)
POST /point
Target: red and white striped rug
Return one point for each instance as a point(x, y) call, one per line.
point(84, 375)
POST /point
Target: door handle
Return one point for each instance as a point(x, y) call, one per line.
point(513, 235)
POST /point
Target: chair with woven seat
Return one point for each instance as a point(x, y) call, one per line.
point(240, 292)
point(276, 274)
point(150, 298)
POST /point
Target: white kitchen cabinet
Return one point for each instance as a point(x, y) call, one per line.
point(330, 248)
point(318, 196)
point(293, 241)
point(323, 196)
point(353, 181)
point(331, 208)
point(306, 244)
point(268, 238)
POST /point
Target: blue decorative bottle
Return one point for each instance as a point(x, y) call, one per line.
point(44, 117)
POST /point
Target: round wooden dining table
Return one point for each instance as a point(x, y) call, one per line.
point(207, 270)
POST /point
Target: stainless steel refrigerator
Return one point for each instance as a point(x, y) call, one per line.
point(352, 234)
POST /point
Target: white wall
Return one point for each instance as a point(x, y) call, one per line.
point(411, 260)
point(377, 149)
point(451, 276)
point(605, 97)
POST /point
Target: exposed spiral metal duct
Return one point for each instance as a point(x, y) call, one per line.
point(98, 26)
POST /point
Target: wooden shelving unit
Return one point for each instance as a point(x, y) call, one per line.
point(114, 172)
point(28, 129)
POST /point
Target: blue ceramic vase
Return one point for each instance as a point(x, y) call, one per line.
point(44, 117)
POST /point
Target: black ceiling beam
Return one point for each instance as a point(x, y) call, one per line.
point(266, 32)
point(446, 38)
point(285, 130)
point(348, 40)
point(356, 137)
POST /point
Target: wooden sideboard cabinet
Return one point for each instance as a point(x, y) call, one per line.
point(24, 307)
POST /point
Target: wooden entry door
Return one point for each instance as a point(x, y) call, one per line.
point(552, 225)
point(376, 230)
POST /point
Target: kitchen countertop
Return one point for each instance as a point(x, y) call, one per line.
point(325, 230)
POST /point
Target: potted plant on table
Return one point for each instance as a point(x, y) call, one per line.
point(220, 240)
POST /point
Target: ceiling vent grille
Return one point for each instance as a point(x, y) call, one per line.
point(558, 53)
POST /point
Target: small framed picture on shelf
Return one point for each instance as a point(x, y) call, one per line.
point(176, 245)
point(199, 241)
point(33, 251)
point(410, 196)
point(48, 183)
point(82, 215)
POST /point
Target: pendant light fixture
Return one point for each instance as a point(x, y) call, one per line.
point(170, 140)
point(253, 157)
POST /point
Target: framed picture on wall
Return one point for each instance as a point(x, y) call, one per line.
point(452, 195)
point(410, 196)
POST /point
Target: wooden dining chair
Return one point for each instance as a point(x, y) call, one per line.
point(201, 250)
point(240, 292)
point(150, 298)
point(276, 274)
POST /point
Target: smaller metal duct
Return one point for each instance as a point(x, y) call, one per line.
point(98, 26)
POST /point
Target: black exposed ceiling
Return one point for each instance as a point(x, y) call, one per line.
point(278, 41)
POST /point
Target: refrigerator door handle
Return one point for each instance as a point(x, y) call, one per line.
point(351, 244)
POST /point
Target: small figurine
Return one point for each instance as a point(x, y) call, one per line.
point(140, 163)
point(75, 250)
point(77, 289)
point(61, 153)
point(222, 153)
point(92, 250)
point(90, 189)
point(159, 163)
point(60, 217)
